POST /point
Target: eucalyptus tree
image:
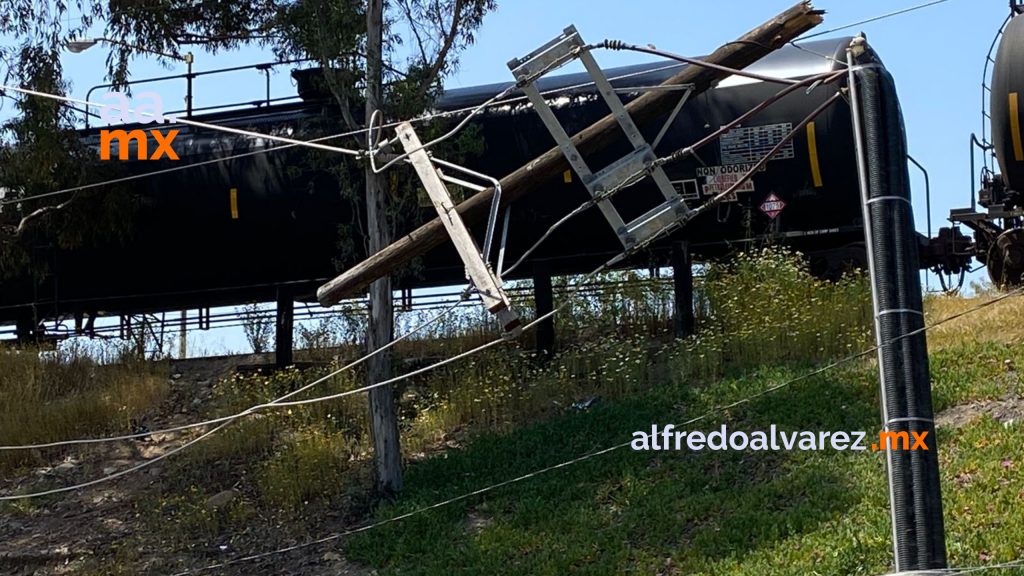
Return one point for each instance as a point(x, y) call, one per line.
point(385, 59)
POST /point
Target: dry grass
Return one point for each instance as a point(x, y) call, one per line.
point(1000, 322)
point(761, 311)
point(65, 395)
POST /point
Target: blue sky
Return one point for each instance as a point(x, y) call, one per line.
point(936, 56)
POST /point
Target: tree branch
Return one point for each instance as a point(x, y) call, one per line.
point(38, 213)
point(341, 96)
point(446, 46)
point(407, 8)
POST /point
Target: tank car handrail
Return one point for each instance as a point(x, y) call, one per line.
point(984, 147)
point(985, 115)
point(927, 191)
point(193, 75)
point(252, 103)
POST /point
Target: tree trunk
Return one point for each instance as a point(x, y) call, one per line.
point(383, 416)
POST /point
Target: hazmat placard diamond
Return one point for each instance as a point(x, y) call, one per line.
point(772, 205)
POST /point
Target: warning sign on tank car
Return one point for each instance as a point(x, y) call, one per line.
point(772, 205)
point(718, 179)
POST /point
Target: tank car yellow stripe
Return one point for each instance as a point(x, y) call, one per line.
point(234, 203)
point(1018, 148)
point(812, 148)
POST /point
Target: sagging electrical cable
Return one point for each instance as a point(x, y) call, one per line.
point(714, 411)
point(622, 45)
point(811, 81)
point(281, 404)
point(608, 44)
point(188, 122)
point(251, 409)
point(278, 404)
point(416, 120)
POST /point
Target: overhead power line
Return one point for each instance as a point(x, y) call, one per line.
point(188, 122)
point(361, 131)
point(872, 19)
point(813, 81)
point(717, 410)
point(279, 403)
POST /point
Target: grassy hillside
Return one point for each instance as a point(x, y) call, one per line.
point(732, 512)
point(711, 513)
point(476, 425)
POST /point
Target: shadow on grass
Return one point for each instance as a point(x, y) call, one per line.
point(629, 511)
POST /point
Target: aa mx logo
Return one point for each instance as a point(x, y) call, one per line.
point(148, 108)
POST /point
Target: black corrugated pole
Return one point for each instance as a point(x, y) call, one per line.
point(914, 494)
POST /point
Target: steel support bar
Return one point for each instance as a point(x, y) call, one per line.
point(479, 273)
point(671, 118)
point(544, 301)
point(492, 219)
point(682, 281)
point(284, 326)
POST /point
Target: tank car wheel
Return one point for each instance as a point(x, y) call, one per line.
point(1006, 259)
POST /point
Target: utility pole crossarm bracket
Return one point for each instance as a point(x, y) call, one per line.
point(477, 270)
point(635, 166)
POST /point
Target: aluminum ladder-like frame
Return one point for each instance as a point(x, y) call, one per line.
point(482, 276)
point(603, 184)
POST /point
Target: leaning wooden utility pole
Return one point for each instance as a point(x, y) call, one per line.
point(387, 452)
point(748, 49)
